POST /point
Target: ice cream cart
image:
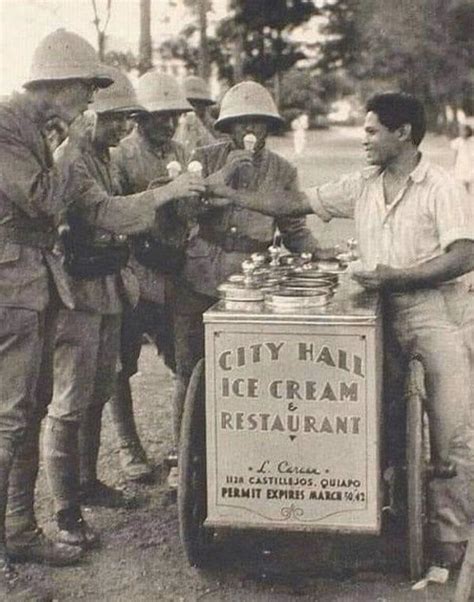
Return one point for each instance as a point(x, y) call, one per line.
point(282, 421)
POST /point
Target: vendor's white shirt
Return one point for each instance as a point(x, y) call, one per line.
point(430, 212)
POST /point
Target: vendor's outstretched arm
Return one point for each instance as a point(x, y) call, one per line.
point(334, 199)
point(456, 261)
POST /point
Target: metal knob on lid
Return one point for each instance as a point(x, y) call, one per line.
point(275, 254)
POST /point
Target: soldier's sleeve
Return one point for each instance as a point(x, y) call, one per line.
point(119, 214)
point(296, 235)
point(119, 163)
point(36, 190)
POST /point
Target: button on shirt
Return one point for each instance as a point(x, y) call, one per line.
point(430, 213)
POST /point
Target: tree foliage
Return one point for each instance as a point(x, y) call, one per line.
point(263, 27)
point(421, 46)
point(252, 42)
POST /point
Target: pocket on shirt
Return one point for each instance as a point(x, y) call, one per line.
point(9, 252)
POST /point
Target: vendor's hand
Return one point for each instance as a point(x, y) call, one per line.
point(186, 185)
point(383, 277)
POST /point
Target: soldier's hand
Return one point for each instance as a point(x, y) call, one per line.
point(161, 181)
point(218, 192)
point(56, 131)
point(186, 185)
point(81, 131)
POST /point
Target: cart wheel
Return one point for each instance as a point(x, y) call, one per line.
point(417, 462)
point(192, 485)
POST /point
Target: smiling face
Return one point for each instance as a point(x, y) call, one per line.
point(111, 128)
point(249, 125)
point(380, 144)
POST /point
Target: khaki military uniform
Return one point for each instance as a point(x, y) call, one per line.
point(138, 163)
point(224, 238)
point(32, 286)
point(87, 341)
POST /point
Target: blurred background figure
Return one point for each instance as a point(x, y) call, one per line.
point(463, 148)
point(299, 125)
point(197, 128)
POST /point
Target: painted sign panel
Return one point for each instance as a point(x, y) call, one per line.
point(292, 428)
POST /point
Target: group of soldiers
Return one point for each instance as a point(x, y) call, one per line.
point(113, 238)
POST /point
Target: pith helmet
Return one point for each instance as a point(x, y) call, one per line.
point(63, 55)
point(247, 99)
point(196, 88)
point(160, 92)
point(120, 96)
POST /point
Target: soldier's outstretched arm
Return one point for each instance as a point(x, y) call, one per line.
point(129, 214)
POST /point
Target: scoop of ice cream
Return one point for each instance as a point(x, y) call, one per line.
point(174, 169)
point(250, 141)
point(195, 167)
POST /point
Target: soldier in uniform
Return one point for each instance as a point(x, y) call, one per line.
point(141, 158)
point(64, 74)
point(197, 128)
point(87, 342)
point(228, 233)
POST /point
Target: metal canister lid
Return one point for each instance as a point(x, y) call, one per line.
point(287, 298)
point(238, 292)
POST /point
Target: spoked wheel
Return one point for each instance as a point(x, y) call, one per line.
point(192, 487)
point(417, 468)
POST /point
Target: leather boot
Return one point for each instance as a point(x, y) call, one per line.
point(6, 461)
point(60, 444)
point(20, 515)
point(132, 456)
point(89, 443)
point(73, 529)
point(94, 492)
point(25, 541)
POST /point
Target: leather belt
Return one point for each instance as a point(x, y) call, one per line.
point(235, 242)
point(27, 237)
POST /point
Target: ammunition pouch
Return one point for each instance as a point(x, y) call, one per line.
point(88, 256)
point(156, 255)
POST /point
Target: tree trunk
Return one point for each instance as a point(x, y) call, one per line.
point(101, 45)
point(204, 63)
point(237, 52)
point(145, 62)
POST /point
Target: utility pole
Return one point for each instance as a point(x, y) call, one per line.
point(145, 62)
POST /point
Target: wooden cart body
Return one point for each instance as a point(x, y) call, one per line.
point(293, 415)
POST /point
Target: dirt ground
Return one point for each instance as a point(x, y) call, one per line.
point(141, 558)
